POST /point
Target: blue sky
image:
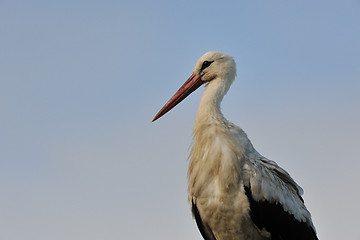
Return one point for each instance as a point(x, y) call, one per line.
point(82, 80)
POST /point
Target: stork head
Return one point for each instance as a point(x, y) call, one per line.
point(212, 66)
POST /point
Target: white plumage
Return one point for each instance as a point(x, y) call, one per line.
point(235, 193)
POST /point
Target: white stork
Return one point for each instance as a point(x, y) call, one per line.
point(235, 193)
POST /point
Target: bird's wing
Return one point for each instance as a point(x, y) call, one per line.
point(203, 227)
point(275, 201)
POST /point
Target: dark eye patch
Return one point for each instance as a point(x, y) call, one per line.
point(206, 64)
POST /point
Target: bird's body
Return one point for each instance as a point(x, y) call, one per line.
point(235, 193)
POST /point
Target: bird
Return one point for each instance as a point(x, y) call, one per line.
point(234, 192)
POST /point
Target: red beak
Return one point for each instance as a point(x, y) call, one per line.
point(193, 83)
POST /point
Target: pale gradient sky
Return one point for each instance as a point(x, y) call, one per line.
point(82, 80)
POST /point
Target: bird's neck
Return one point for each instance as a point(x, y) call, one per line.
point(213, 153)
point(209, 109)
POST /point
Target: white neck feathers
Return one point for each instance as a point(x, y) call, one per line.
point(209, 109)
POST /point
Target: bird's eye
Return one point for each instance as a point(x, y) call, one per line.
point(206, 64)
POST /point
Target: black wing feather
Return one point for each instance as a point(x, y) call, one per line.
point(203, 227)
point(281, 224)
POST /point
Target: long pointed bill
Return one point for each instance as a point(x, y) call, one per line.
point(193, 83)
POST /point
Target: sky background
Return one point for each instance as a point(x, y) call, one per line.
point(80, 82)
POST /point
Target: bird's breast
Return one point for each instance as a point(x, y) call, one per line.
point(215, 163)
point(216, 185)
